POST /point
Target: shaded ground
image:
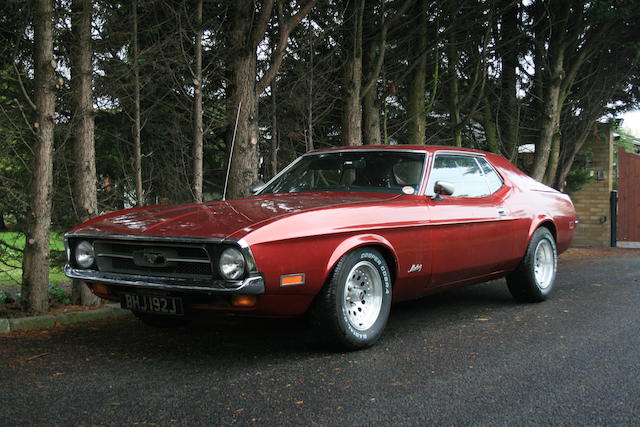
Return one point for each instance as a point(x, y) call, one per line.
point(59, 301)
point(470, 355)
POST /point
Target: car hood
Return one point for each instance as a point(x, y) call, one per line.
point(220, 219)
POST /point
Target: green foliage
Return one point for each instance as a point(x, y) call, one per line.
point(58, 295)
point(580, 173)
point(577, 178)
point(625, 140)
point(11, 259)
point(3, 297)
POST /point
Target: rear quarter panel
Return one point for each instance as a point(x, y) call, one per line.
point(533, 204)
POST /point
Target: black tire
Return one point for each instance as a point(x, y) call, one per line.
point(534, 279)
point(353, 307)
point(162, 321)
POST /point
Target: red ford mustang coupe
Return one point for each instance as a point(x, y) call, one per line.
point(340, 233)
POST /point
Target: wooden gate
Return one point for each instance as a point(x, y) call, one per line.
point(628, 232)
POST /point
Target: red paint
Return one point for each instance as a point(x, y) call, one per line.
point(453, 240)
point(628, 198)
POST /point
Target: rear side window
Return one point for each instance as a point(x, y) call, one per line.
point(472, 176)
point(493, 179)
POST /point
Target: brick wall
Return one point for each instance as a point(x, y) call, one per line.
point(592, 201)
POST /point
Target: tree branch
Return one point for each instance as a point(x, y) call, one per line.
point(372, 77)
point(585, 53)
point(13, 248)
point(281, 48)
point(22, 88)
point(261, 25)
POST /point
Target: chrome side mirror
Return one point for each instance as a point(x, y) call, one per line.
point(442, 188)
point(258, 186)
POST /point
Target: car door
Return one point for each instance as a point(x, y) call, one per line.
point(468, 238)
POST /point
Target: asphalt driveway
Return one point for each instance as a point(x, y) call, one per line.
point(468, 356)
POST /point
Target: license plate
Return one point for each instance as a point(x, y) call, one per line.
point(152, 304)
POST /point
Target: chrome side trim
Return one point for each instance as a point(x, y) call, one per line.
point(252, 285)
point(459, 153)
point(283, 171)
point(360, 150)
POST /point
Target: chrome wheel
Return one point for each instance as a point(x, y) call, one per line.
point(544, 264)
point(362, 295)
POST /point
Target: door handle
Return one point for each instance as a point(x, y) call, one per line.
point(502, 211)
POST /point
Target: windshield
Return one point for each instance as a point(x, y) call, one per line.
point(366, 171)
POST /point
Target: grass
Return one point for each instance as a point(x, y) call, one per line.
point(11, 260)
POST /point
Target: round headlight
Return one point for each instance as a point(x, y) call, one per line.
point(231, 264)
point(84, 254)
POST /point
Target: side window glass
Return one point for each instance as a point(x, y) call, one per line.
point(493, 179)
point(461, 171)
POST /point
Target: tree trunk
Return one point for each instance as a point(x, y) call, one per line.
point(352, 114)
point(35, 266)
point(197, 110)
point(416, 114)
point(84, 145)
point(243, 105)
point(370, 110)
point(508, 52)
point(551, 78)
point(549, 120)
point(374, 61)
point(244, 92)
point(274, 131)
point(489, 125)
point(244, 159)
point(309, 136)
point(137, 149)
point(3, 226)
point(371, 119)
point(567, 163)
point(454, 92)
point(552, 166)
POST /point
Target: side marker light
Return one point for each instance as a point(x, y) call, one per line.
point(292, 279)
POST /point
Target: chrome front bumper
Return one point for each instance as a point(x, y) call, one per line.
point(252, 285)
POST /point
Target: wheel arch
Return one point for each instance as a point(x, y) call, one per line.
point(364, 241)
point(546, 222)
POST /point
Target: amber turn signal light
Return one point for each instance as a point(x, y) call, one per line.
point(243, 300)
point(292, 279)
point(99, 288)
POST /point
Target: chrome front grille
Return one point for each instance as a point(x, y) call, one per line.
point(154, 259)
